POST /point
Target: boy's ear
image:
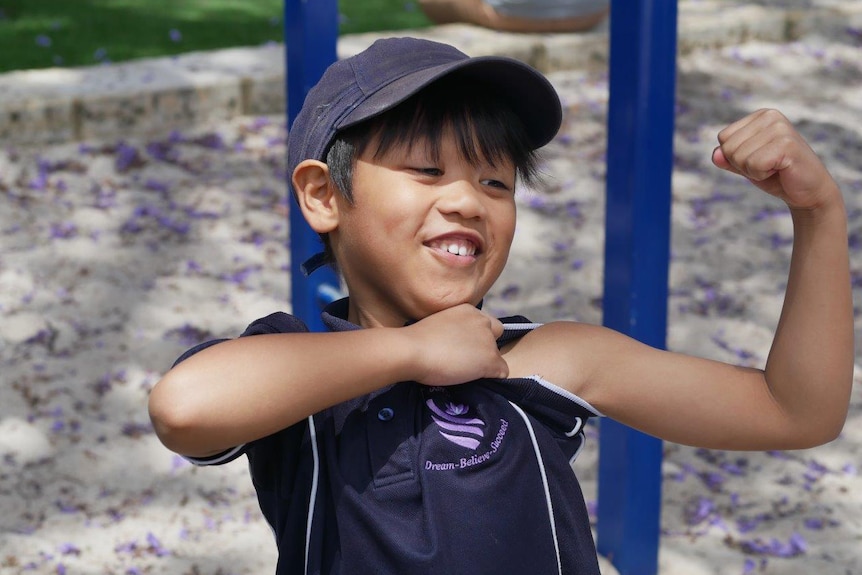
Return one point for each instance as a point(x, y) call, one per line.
point(316, 195)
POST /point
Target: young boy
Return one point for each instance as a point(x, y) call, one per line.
point(420, 435)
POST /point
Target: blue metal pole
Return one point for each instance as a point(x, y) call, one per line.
point(311, 37)
point(637, 223)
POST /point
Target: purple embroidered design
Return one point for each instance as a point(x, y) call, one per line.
point(454, 425)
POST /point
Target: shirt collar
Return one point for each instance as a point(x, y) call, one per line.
point(334, 316)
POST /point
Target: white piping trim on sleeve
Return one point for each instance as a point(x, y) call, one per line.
point(565, 393)
point(521, 326)
point(313, 497)
point(547, 489)
point(216, 460)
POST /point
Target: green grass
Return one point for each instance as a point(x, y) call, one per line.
point(45, 33)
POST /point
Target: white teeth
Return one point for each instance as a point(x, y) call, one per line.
point(462, 249)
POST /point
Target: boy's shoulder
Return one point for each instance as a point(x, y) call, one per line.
point(562, 351)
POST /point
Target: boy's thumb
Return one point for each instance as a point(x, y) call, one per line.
point(721, 161)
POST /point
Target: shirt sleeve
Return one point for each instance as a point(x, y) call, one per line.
point(278, 322)
point(562, 413)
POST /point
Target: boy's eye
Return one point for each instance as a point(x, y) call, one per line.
point(430, 171)
point(495, 184)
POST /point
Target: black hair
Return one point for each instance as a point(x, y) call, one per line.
point(486, 128)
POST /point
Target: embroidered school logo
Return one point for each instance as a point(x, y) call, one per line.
point(454, 424)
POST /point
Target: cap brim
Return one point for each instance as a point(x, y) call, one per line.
point(530, 95)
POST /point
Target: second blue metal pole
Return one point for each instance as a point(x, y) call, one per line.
point(637, 226)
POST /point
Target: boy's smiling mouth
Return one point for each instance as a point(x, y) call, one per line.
point(458, 246)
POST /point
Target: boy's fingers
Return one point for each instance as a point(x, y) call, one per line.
point(720, 160)
point(725, 135)
point(496, 327)
point(503, 373)
point(753, 147)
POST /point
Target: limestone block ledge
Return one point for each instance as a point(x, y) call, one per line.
point(142, 97)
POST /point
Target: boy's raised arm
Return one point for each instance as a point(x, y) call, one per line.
point(810, 366)
point(244, 389)
point(801, 397)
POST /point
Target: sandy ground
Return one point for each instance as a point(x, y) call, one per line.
point(117, 256)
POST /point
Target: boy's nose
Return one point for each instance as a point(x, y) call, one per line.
point(463, 198)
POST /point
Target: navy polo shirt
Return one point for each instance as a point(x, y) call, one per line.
point(412, 479)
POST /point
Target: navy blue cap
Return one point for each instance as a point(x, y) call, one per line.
point(393, 69)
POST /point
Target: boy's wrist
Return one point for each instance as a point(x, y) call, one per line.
point(405, 355)
point(830, 207)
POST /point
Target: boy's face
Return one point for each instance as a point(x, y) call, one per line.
point(422, 236)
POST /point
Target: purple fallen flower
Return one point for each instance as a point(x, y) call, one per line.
point(179, 462)
point(698, 510)
point(713, 480)
point(163, 151)
point(749, 524)
point(537, 202)
point(156, 186)
point(40, 182)
point(105, 197)
point(241, 275)
point(127, 158)
point(63, 230)
point(43, 41)
point(67, 507)
point(855, 34)
point(188, 334)
point(798, 544)
point(795, 546)
point(173, 225)
point(175, 35)
point(510, 291)
point(561, 246)
point(814, 523)
point(156, 546)
point(137, 430)
point(732, 468)
point(777, 241)
point(196, 214)
point(69, 549)
point(211, 141)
